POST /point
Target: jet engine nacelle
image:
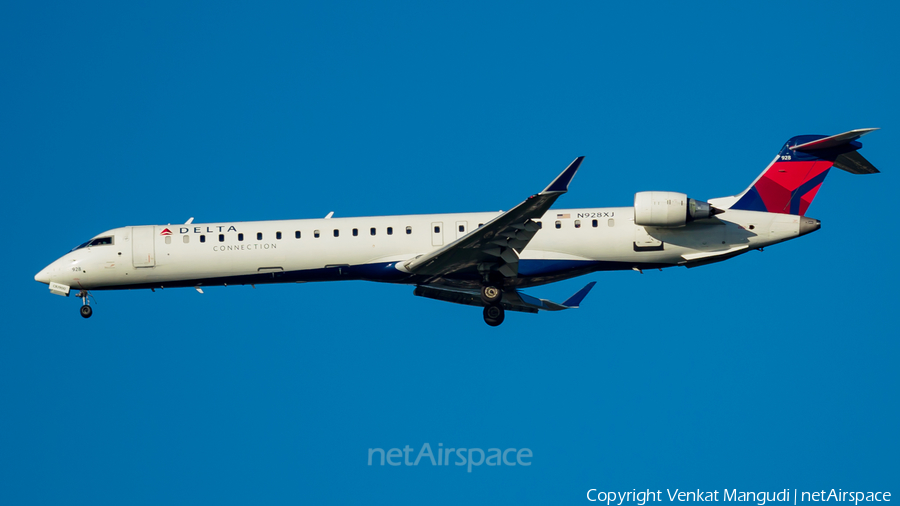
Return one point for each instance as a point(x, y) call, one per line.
point(669, 209)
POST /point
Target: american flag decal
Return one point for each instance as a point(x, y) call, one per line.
point(165, 231)
point(563, 216)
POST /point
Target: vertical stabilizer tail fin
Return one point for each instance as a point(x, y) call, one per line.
point(790, 183)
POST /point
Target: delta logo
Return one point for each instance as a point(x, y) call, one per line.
point(165, 231)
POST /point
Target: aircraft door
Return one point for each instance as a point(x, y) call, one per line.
point(437, 233)
point(643, 241)
point(143, 251)
point(461, 228)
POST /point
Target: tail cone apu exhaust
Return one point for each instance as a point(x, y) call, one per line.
point(809, 225)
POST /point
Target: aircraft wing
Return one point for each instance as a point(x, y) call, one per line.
point(497, 244)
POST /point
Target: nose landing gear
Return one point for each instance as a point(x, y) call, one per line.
point(86, 310)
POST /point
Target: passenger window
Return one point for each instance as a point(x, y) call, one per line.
point(202, 238)
point(462, 228)
point(594, 223)
point(437, 230)
point(240, 237)
point(186, 239)
point(259, 236)
point(372, 231)
point(337, 232)
point(408, 230)
point(221, 237)
point(480, 225)
point(577, 223)
point(278, 235)
point(558, 224)
point(316, 234)
point(168, 239)
point(355, 232)
point(296, 234)
point(390, 230)
point(540, 224)
point(612, 222)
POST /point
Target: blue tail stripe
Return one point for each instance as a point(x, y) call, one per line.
point(804, 189)
point(751, 201)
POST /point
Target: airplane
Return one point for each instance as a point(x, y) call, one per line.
point(479, 259)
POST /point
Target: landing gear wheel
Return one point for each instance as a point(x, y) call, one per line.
point(494, 315)
point(86, 311)
point(491, 295)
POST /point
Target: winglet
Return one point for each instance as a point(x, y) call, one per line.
point(561, 183)
point(579, 296)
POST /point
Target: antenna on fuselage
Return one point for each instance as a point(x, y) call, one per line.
point(189, 221)
point(329, 215)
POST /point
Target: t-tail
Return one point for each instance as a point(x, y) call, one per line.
point(790, 183)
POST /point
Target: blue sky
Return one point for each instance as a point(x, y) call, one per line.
point(773, 370)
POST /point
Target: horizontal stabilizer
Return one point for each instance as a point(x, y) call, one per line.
point(855, 163)
point(833, 141)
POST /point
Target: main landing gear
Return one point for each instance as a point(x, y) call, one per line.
point(86, 310)
point(491, 295)
point(494, 314)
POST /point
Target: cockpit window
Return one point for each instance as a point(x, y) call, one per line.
point(99, 241)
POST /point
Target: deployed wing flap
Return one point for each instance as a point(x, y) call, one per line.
point(711, 257)
point(513, 300)
point(496, 245)
point(707, 254)
point(470, 298)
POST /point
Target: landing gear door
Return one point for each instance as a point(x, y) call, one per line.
point(143, 251)
point(643, 241)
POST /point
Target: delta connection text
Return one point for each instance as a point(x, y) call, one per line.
point(642, 497)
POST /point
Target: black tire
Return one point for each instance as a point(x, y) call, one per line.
point(491, 294)
point(86, 311)
point(494, 315)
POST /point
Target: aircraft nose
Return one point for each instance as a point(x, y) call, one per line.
point(43, 276)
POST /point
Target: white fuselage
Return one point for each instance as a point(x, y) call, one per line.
point(585, 240)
